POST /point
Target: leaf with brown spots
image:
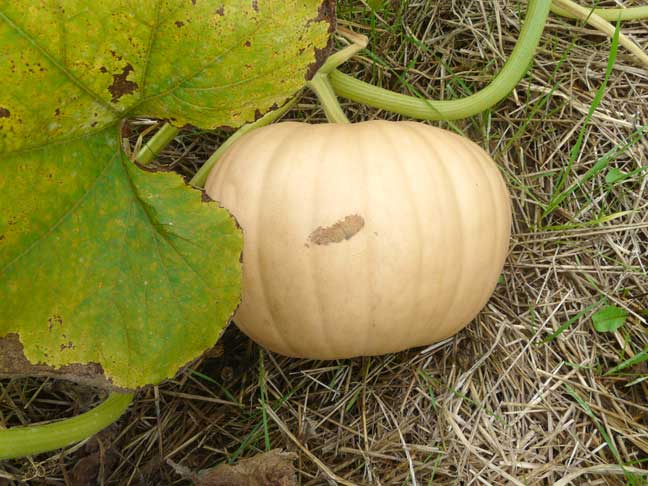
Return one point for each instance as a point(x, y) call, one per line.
point(106, 268)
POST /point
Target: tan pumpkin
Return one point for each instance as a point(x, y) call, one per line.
point(362, 239)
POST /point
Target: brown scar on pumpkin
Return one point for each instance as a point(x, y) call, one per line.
point(345, 229)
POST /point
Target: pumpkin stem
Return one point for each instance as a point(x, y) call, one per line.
point(358, 42)
point(321, 86)
point(35, 439)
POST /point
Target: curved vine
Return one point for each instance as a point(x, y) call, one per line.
point(519, 61)
point(35, 439)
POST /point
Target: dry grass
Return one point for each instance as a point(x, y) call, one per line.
point(514, 398)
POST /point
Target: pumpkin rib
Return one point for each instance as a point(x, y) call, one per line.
point(405, 166)
point(412, 128)
point(278, 330)
point(371, 242)
point(457, 218)
point(502, 207)
point(462, 273)
point(485, 178)
point(502, 211)
point(434, 155)
point(317, 188)
point(400, 163)
point(489, 207)
point(217, 184)
point(320, 338)
point(225, 168)
point(278, 176)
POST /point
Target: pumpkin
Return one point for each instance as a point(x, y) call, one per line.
point(362, 239)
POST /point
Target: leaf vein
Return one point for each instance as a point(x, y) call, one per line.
point(64, 70)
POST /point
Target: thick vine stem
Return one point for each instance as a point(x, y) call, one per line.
point(609, 14)
point(35, 439)
point(498, 89)
point(201, 176)
point(156, 144)
point(358, 42)
point(321, 85)
point(599, 23)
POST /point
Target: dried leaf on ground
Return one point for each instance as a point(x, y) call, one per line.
point(274, 468)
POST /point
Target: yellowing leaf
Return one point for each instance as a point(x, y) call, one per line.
point(100, 261)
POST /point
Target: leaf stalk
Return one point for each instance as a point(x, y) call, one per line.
point(35, 439)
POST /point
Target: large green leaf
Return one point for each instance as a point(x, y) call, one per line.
point(102, 262)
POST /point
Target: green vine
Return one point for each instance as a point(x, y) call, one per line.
point(35, 439)
point(156, 144)
point(425, 109)
point(326, 96)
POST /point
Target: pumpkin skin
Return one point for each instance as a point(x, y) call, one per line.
point(362, 239)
